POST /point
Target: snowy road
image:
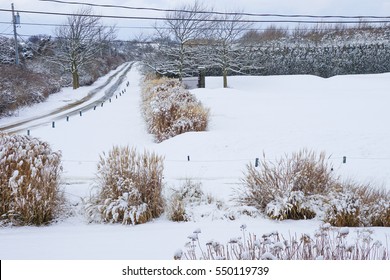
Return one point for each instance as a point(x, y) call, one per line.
point(96, 97)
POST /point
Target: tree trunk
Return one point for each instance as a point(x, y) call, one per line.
point(225, 65)
point(225, 83)
point(75, 78)
point(181, 62)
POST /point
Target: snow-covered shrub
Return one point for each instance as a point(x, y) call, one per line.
point(170, 110)
point(357, 205)
point(176, 209)
point(290, 188)
point(376, 205)
point(379, 212)
point(187, 203)
point(292, 206)
point(7, 50)
point(29, 181)
point(326, 244)
point(189, 194)
point(129, 187)
point(22, 87)
point(344, 209)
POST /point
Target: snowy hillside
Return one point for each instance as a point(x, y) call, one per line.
point(344, 116)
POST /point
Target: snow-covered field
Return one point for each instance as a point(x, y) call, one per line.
point(344, 116)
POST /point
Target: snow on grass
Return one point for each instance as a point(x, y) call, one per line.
point(343, 116)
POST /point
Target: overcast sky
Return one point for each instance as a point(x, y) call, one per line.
point(128, 29)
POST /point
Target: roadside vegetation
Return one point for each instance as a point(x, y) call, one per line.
point(39, 75)
point(169, 109)
point(128, 187)
point(303, 186)
point(29, 181)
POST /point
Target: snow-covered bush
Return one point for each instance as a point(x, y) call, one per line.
point(7, 50)
point(129, 187)
point(379, 212)
point(290, 188)
point(292, 206)
point(326, 244)
point(358, 205)
point(345, 209)
point(29, 181)
point(183, 202)
point(189, 202)
point(170, 110)
point(22, 87)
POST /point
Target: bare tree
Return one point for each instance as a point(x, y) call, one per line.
point(79, 41)
point(227, 29)
point(189, 23)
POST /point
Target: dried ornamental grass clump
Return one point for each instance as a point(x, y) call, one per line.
point(29, 181)
point(303, 186)
point(183, 204)
point(170, 110)
point(129, 187)
point(290, 188)
point(358, 206)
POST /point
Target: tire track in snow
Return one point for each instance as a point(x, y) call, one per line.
point(84, 104)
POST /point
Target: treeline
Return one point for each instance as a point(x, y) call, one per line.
point(324, 53)
point(320, 60)
point(228, 45)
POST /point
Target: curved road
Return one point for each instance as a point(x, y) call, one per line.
point(94, 98)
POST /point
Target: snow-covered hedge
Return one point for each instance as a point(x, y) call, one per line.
point(129, 187)
point(29, 181)
point(326, 244)
point(325, 53)
point(169, 109)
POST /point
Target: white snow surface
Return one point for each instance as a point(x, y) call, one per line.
point(343, 116)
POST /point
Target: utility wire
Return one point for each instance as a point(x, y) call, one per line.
point(384, 20)
point(167, 28)
point(163, 27)
point(7, 28)
point(220, 13)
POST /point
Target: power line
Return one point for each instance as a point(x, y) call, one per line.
point(220, 13)
point(59, 25)
point(151, 27)
point(7, 28)
point(384, 20)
